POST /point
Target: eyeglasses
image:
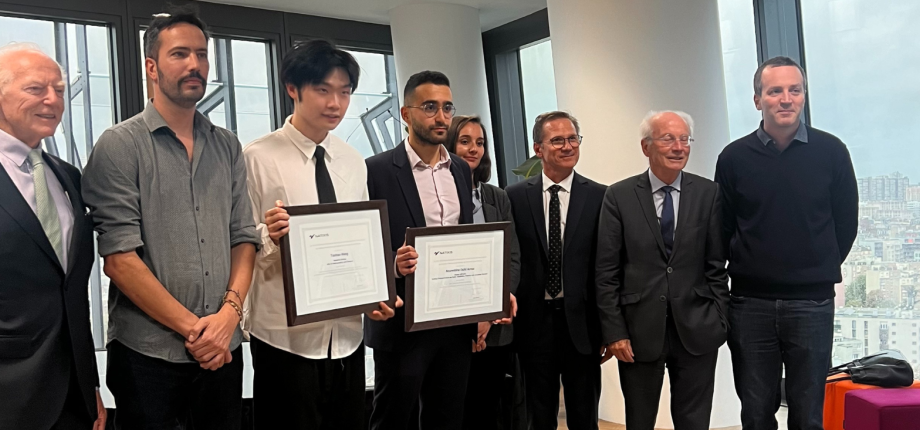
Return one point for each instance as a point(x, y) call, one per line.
point(668, 140)
point(559, 142)
point(431, 109)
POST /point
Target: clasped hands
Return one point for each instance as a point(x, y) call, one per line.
point(209, 339)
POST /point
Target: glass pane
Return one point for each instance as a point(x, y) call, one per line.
point(862, 58)
point(739, 61)
point(539, 84)
point(86, 57)
point(373, 91)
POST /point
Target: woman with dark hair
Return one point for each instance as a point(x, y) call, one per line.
point(493, 359)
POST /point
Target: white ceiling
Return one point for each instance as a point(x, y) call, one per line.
point(492, 13)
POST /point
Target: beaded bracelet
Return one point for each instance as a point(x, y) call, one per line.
point(236, 307)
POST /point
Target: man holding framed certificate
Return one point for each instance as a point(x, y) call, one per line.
point(308, 376)
point(423, 185)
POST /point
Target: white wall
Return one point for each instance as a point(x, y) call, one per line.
point(444, 37)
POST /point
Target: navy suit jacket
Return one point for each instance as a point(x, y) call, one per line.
point(45, 334)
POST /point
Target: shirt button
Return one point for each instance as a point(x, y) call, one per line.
point(206, 273)
point(207, 306)
point(196, 208)
point(670, 270)
point(663, 298)
point(202, 240)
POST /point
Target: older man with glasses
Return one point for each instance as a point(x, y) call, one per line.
point(557, 332)
point(662, 287)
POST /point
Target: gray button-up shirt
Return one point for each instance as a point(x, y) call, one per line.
point(181, 217)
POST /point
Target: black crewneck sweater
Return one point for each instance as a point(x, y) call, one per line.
point(790, 217)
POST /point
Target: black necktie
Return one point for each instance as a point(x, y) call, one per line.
point(667, 219)
point(324, 188)
point(554, 283)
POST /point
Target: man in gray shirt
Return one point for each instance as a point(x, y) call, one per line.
point(167, 191)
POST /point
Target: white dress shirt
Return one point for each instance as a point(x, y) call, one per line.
point(564, 194)
point(280, 166)
point(658, 194)
point(15, 160)
point(436, 188)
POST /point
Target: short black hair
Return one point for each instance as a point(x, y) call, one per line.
point(779, 61)
point(187, 14)
point(426, 77)
point(483, 172)
point(309, 63)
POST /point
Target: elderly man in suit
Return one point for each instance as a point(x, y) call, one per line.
point(47, 363)
point(662, 287)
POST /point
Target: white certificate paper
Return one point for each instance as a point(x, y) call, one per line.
point(459, 275)
point(334, 261)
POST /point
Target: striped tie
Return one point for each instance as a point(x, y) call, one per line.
point(44, 204)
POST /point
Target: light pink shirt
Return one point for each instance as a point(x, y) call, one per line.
point(436, 189)
point(14, 156)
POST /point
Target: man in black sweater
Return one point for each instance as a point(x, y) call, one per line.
point(790, 208)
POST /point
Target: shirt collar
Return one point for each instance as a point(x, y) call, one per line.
point(566, 183)
point(155, 121)
point(416, 161)
point(14, 149)
point(304, 143)
point(658, 183)
point(801, 134)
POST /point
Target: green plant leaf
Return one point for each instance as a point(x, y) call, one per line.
point(531, 167)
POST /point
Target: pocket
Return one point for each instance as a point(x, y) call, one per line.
point(628, 299)
point(819, 302)
point(705, 293)
point(16, 346)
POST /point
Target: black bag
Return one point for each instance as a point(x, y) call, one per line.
point(886, 368)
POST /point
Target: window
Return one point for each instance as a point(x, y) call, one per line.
point(538, 82)
point(239, 96)
point(739, 59)
point(859, 57)
point(84, 52)
point(372, 123)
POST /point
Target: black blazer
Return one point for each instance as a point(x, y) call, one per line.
point(44, 309)
point(389, 177)
point(496, 208)
point(636, 280)
point(578, 255)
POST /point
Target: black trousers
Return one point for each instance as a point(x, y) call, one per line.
point(486, 388)
point(74, 415)
point(293, 392)
point(692, 380)
point(552, 357)
point(155, 394)
point(429, 368)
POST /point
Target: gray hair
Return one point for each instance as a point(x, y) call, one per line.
point(6, 75)
point(645, 127)
point(546, 117)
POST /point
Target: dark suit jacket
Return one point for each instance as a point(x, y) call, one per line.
point(44, 309)
point(636, 280)
point(389, 177)
point(496, 208)
point(578, 254)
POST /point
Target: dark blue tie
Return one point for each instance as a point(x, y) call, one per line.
point(667, 219)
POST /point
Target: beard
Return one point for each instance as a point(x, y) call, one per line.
point(426, 135)
point(172, 89)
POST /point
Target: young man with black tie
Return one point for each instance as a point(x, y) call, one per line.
point(310, 376)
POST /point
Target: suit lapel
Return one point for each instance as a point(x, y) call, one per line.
point(687, 198)
point(576, 204)
point(407, 184)
point(75, 207)
point(535, 198)
point(13, 203)
point(644, 194)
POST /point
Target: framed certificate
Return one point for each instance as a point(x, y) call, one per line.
point(463, 275)
point(335, 261)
